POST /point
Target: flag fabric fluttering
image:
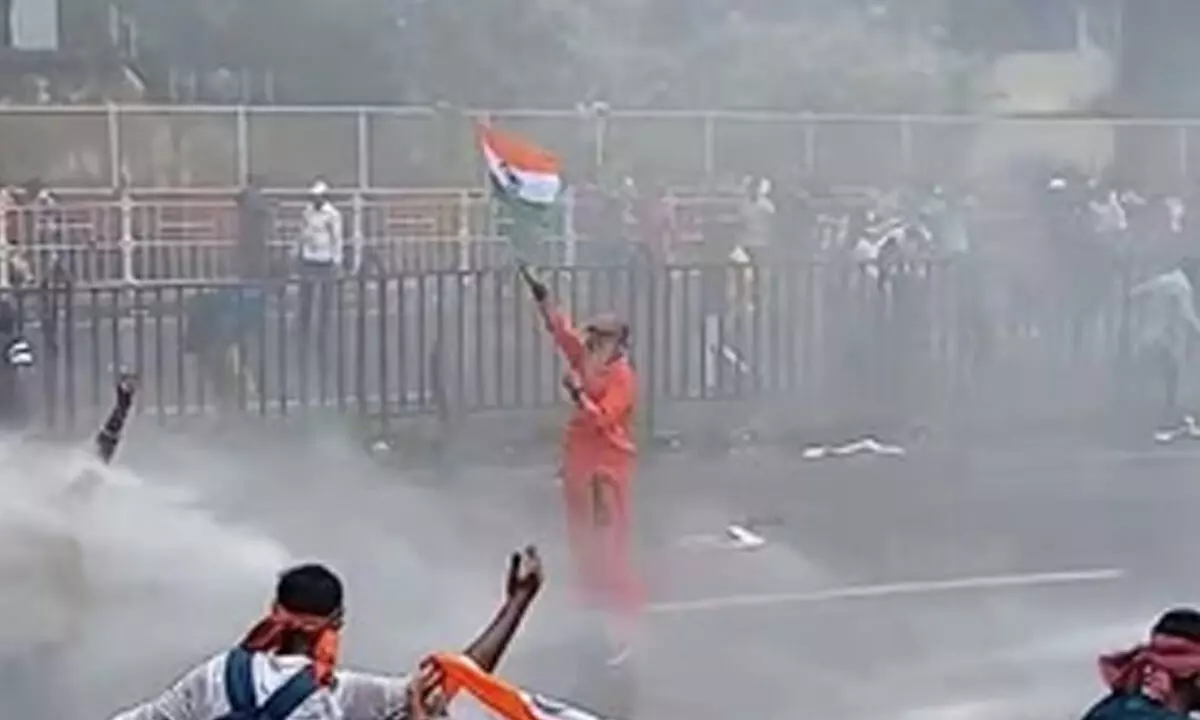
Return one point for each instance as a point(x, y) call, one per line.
point(526, 182)
point(467, 685)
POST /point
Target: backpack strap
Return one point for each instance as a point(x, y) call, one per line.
point(291, 695)
point(239, 681)
point(239, 688)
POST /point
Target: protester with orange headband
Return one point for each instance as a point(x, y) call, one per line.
point(1159, 680)
point(286, 666)
point(597, 462)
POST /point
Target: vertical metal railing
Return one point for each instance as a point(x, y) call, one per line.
point(782, 346)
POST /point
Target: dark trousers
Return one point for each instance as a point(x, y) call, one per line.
point(316, 279)
point(1156, 385)
point(1168, 369)
point(317, 285)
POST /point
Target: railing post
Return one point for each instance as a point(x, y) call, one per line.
point(1184, 151)
point(242, 129)
point(810, 144)
point(358, 238)
point(464, 231)
point(710, 139)
point(906, 146)
point(5, 248)
point(126, 242)
point(600, 127)
point(243, 141)
point(652, 335)
point(569, 235)
point(113, 123)
point(363, 145)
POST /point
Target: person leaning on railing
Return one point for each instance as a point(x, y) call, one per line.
point(255, 228)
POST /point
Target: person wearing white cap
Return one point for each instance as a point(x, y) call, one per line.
point(319, 251)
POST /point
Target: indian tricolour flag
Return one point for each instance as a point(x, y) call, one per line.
point(527, 182)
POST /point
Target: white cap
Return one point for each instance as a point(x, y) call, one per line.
point(320, 187)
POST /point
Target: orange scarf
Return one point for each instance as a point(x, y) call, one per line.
point(504, 701)
point(268, 635)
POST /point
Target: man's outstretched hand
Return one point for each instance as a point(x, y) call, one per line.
point(537, 288)
point(126, 387)
point(524, 575)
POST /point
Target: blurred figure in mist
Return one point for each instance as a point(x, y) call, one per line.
point(1165, 306)
point(44, 590)
point(607, 217)
point(758, 216)
point(256, 224)
point(1108, 214)
point(726, 274)
point(797, 219)
point(38, 229)
point(320, 254)
point(239, 310)
point(16, 361)
point(657, 226)
point(1061, 209)
point(619, 232)
point(945, 214)
point(217, 325)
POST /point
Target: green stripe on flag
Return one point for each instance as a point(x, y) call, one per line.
point(524, 224)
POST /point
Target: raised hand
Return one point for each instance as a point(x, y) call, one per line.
point(537, 288)
point(126, 387)
point(524, 575)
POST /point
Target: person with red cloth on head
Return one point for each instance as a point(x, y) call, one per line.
point(1159, 680)
point(286, 666)
point(598, 454)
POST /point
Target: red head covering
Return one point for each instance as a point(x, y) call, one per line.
point(268, 634)
point(1151, 668)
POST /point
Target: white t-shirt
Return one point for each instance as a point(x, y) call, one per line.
point(201, 694)
point(321, 239)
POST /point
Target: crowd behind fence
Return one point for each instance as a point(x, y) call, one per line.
point(822, 344)
point(153, 239)
point(396, 147)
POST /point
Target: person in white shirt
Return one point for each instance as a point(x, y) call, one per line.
point(286, 666)
point(758, 215)
point(320, 254)
point(1167, 316)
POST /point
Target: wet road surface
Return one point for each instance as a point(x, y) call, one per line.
point(972, 586)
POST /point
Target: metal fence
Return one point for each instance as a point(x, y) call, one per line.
point(98, 242)
point(158, 239)
point(396, 147)
point(811, 343)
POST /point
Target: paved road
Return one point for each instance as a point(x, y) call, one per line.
point(888, 588)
